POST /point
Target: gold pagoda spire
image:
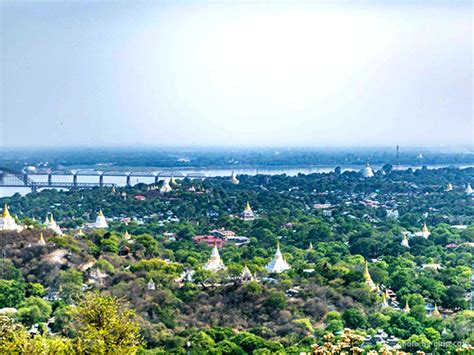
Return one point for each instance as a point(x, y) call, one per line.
point(407, 307)
point(41, 239)
point(247, 207)
point(101, 214)
point(367, 276)
point(6, 213)
point(435, 312)
point(51, 219)
point(310, 246)
point(425, 228)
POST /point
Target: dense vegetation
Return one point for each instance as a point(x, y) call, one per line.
point(217, 313)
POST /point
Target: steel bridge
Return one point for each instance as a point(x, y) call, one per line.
point(13, 178)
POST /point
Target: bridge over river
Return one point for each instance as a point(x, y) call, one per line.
point(70, 179)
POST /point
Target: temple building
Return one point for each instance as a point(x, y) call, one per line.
point(278, 264)
point(248, 214)
point(367, 172)
point(234, 180)
point(246, 275)
point(51, 224)
point(150, 286)
point(405, 241)
point(7, 222)
point(368, 279)
point(166, 187)
point(100, 221)
point(214, 263)
point(425, 233)
point(449, 187)
point(469, 190)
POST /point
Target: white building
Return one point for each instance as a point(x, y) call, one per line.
point(166, 187)
point(367, 172)
point(214, 263)
point(405, 241)
point(51, 224)
point(7, 222)
point(100, 221)
point(151, 285)
point(278, 264)
point(234, 180)
point(248, 214)
point(469, 189)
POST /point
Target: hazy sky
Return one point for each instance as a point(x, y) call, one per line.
point(195, 73)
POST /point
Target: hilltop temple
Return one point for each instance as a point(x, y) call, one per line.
point(367, 172)
point(51, 224)
point(368, 279)
point(278, 263)
point(234, 180)
point(215, 262)
point(7, 222)
point(100, 221)
point(248, 214)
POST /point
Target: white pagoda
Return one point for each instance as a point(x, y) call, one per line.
point(367, 172)
point(246, 275)
point(7, 222)
point(51, 224)
point(214, 263)
point(278, 264)
point(449, 187)
point(151, 285)
point(405, 241)
point(100, 221)
point(248, 214)
point(166, 187)
point(469, 190)
point(425, 233)
point(234, 180)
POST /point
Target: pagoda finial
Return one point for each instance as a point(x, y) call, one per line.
point(407, 307)
point(247, 207)
point(101, 214)
point(41, 239)
point(6, 213)
point(51, 219)
point(435, 312)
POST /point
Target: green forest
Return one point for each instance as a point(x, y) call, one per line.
point(87, 291)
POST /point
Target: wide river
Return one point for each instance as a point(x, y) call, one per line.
point(121, 180)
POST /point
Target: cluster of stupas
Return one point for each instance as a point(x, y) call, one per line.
point(7, 222)
point(277, 265)
point(51, 224)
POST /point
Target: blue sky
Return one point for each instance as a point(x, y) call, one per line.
point(368, 73)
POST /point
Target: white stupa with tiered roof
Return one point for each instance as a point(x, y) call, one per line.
point(248, 214)
point(405, 241)
point(425, 233)
point(278, 263)
point(41, 240)
point(246, 275)
point(215, 262)
point(367, 172)
point(234, 180)
point(51, 224)
point(100, 221)
point(166, 187)
point(469, 190)
point(7, 222)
